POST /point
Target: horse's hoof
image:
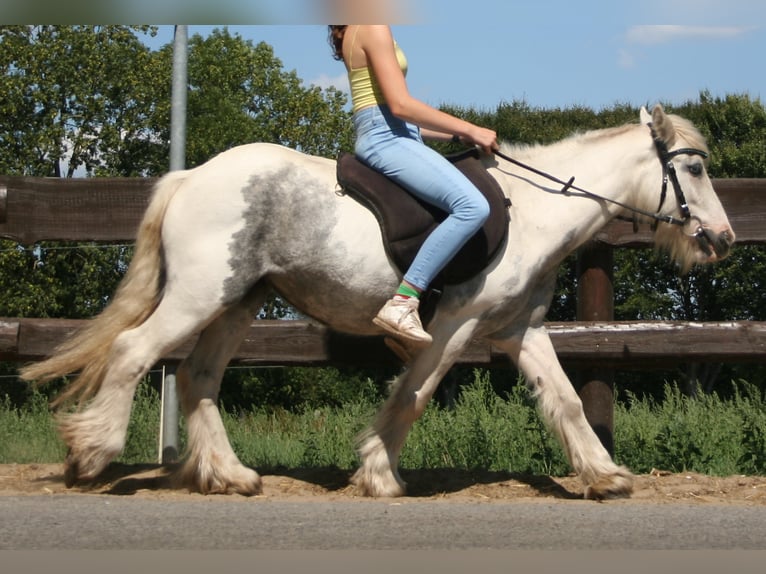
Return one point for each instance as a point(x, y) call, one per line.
point(71, 470)
point(367, 485)
point(247, 483)
point(618, 485)
point(70, 475)
point(237, 480)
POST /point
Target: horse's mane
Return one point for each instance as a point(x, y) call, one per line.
point(575, 137)
point(684, 128)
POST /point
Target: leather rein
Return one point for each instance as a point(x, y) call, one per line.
point(668, 174)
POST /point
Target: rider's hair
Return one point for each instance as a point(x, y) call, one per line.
point(335, 35)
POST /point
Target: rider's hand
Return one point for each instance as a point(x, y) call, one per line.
point(485, 139)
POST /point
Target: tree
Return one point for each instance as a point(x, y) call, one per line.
point(646, 284)
point(95, 101)
point(78, 98)
point(239, 93)
point(735, 127)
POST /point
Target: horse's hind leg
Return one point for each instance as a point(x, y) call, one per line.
point(211, 466)
point(562, 411)
point(96, 434)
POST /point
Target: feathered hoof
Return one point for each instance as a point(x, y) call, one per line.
point(237, 480)
point(79, 469)
point(368, 484)
point(71, 470)
point(617, 485)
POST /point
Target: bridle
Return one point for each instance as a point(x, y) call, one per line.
point(668, 174)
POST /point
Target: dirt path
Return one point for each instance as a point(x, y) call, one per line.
point(153, 481)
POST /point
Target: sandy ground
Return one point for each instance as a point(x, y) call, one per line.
point(153, 481)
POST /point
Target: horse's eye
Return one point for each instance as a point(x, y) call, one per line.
point(695, 169)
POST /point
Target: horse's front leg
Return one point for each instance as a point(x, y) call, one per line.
point(562, 411)
point(381, 444)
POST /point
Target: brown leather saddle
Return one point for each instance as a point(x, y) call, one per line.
point(406, 221)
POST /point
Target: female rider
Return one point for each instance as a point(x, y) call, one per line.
point(390, 126)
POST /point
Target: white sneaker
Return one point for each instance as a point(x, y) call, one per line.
point(400, 318)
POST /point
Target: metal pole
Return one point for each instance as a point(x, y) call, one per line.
point(169, 422)
point(178, 101)
point(169, 406)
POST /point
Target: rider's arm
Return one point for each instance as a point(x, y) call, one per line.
point(377, 44)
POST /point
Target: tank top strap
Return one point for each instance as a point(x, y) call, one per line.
point(351, 53)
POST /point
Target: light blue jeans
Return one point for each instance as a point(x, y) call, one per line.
point(394, 147)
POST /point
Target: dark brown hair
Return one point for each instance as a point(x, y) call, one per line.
point(335, 38)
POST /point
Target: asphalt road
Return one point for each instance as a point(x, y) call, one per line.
point(106, 522)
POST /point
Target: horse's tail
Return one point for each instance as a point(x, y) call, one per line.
point(136, 298)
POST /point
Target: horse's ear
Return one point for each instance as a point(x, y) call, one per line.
point(663, 125)
point(645, 116)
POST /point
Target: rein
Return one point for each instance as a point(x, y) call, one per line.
point(668, 174)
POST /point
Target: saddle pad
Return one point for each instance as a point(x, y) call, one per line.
point(406, 221)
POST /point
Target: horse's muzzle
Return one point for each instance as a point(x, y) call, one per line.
point(714, 243)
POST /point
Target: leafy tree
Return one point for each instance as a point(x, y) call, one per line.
point(95, 101)
point(646, 284)
point(239, 93)
point(735, 127)
point(76, 98)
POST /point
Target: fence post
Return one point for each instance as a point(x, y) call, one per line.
point(595, 302)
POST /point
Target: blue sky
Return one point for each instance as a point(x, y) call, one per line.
point(548, 53)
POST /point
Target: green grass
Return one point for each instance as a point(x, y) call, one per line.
point(28, 435)
point(704, 434)
point(707, 434)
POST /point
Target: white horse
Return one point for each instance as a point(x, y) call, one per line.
point(216, 239)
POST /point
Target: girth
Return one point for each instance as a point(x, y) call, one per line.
point(406, 221)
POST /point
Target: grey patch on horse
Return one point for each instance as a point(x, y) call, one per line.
point(280, 213)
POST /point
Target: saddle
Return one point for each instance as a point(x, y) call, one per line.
point(406, 221)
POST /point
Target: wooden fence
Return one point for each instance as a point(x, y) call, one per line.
point(109, 210)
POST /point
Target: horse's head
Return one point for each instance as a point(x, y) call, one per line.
point(695, 228)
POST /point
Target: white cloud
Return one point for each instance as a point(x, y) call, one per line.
point(663, 33)
point(707, 12)
point(324, 81)
point(625, 59)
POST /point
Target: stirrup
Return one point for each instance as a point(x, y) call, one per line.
point(399, 349)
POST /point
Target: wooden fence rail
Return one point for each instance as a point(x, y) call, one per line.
point(637, 345)
point(110, 209)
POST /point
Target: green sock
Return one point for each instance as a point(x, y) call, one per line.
point(407, 291)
